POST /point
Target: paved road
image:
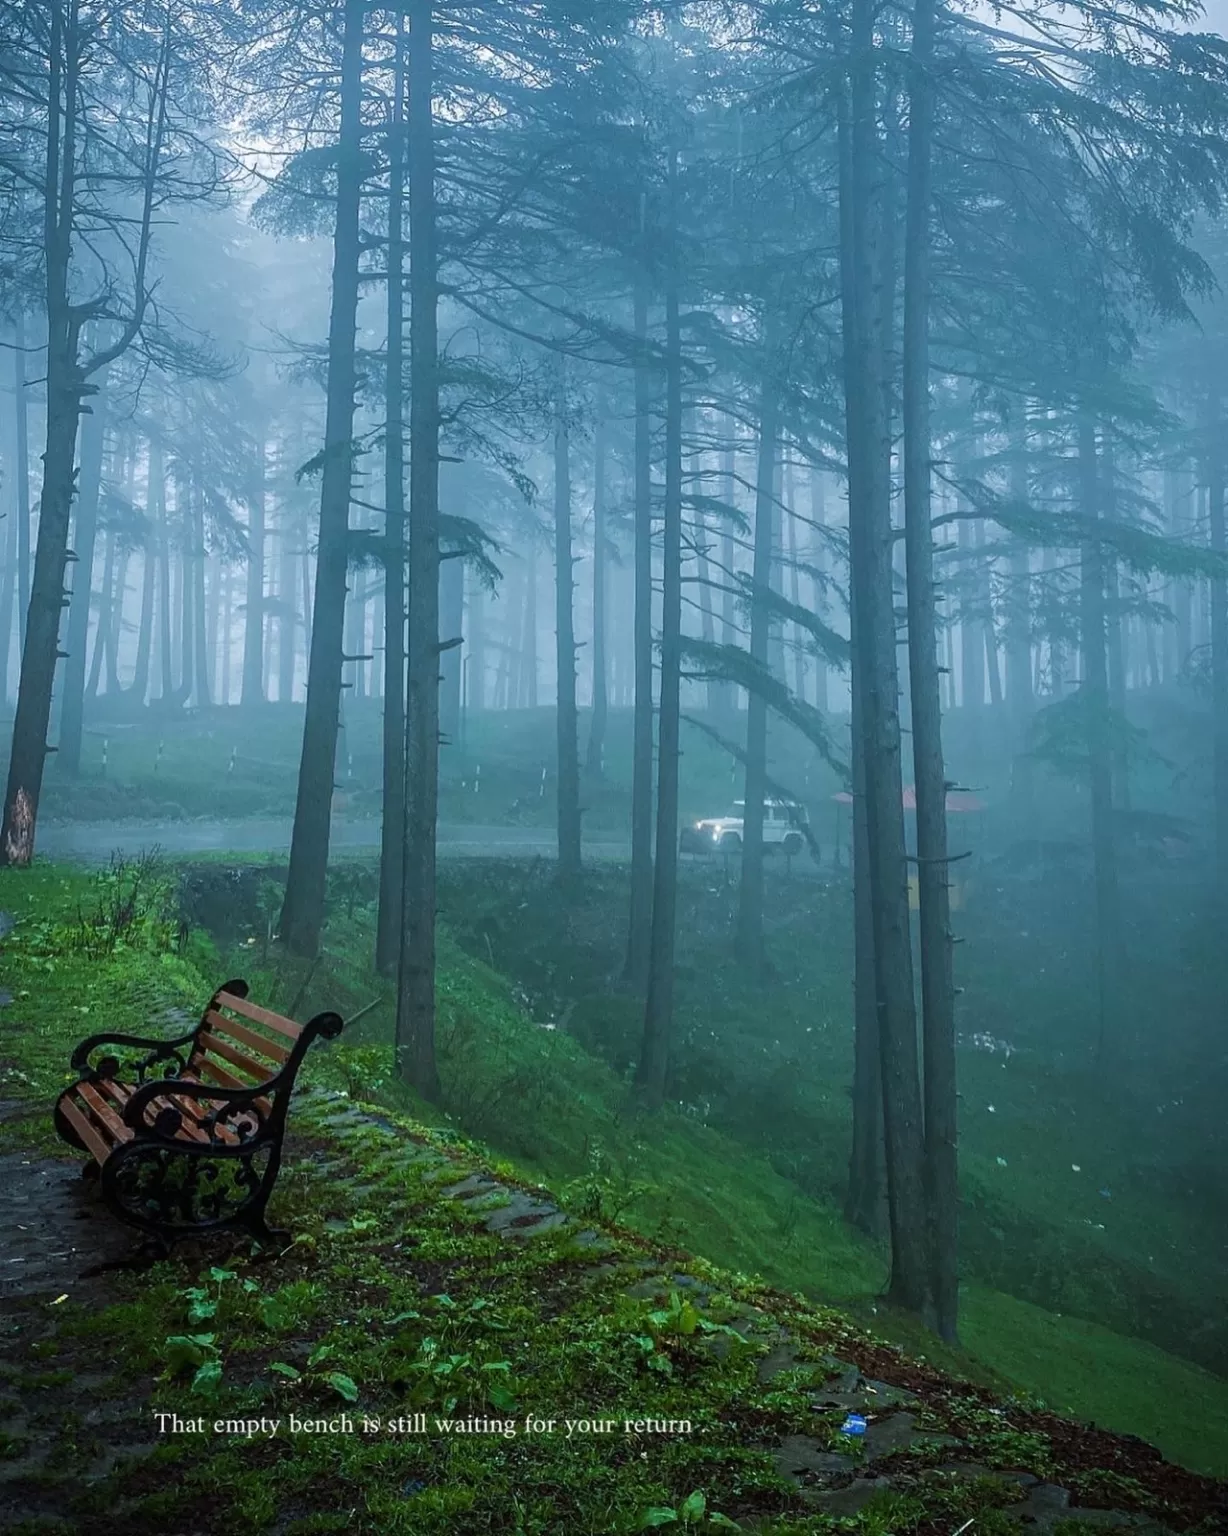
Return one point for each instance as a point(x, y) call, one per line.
point(91, 842)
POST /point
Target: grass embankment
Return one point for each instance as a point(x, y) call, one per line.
point(233, 763)
point(558, 1113)
point(394, 1300)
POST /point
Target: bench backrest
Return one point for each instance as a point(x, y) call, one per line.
point(239, 1044)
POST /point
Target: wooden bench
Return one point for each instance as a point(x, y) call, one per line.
point(185, 1135)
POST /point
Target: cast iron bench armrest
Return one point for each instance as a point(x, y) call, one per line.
point(80, 1063)
point(188, 1088)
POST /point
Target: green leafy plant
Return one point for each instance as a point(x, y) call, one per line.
point(197, 1352)
point(692, 1514)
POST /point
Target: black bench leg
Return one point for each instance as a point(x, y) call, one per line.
point(259, 1228)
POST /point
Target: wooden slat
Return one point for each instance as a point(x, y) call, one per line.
point(218, 1074)
point(260, 1015)
point(220, 1025)
point(258, 1070)
point(104, 1112)
point(87, 1130)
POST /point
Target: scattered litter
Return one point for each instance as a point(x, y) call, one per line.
point(59, 1299)
point(1075, 1168)
point(1107, 1194)
point(992, 1110)
point(855, 1424)
point(1001, 1162)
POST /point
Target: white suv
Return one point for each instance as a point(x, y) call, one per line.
point(784, 822)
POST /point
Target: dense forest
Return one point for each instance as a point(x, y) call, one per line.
point(777, 450)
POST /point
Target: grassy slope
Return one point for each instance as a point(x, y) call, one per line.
point(559, 1114)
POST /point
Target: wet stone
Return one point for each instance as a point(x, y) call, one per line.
point(475, 1184)
point(843, 1503)
point(801, 1454)
point(899, 1432)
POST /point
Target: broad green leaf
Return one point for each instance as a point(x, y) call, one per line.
point(342, 1384)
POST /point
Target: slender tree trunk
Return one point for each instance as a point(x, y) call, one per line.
point(871, 541)
point(115, 630)
point(864, 1203)
point(185, 589)
point(227, 623)
point(937, 971)
point(1219, 642)
point(8, 588)
point(818, 515)
point(729, 629)
point(21, 406)
point(451, 631)
point(415, 1028)
point(166, 646)
point(1019, 696)
point(302, 914)
point(102, 631)
point(392, 829)
point(201, 605)
point(1100, 761)
point(528, 652)
point(568, 806)
point(795, 596)
point(66, 387)
point(251, 691)
point(659, 1003)
point(287, 598)
point(149, 569)
point(595, 756)
point(72, 703)
point(639, 924)
point(750, 887)
point(475, 624)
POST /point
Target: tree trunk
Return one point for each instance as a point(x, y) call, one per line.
point(8, 584)
point(937, 978)
point(227, 623)
point(864, 1203)
point(66, 387)
point(1099, 753)
point(392, 828)
point(415, 1026)
point(639, 923)
point(1219, 643)
point(302, 914)
point(451, 630)
point(166, 646)
point(659, 1003)
point(750, 887)
point(72, 704)
point(149, 571)
point(595, 755)
point(874, 646)
point(728, 707)
point(818, 515)
point(287, 599)
point(115, 630)
point(102, 631)
point(201, 605)
point(251, 690)
point(568, 800)
point(21, 406)
point(528, 650)
point(1019, 697)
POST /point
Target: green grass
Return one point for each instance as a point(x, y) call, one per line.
point(238, 763)
point(1091, 1373)
point(551, 1110)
